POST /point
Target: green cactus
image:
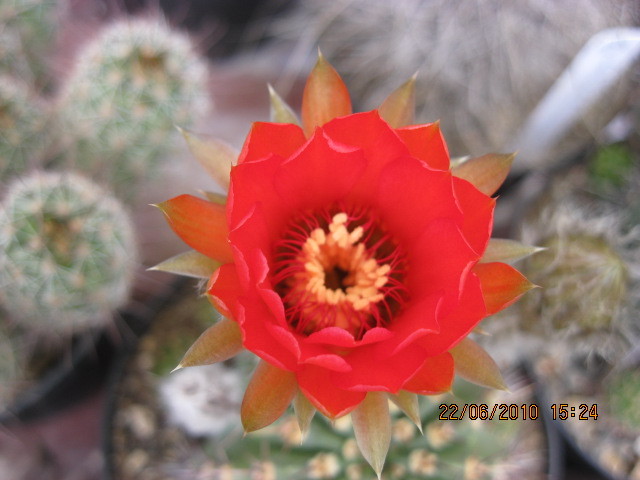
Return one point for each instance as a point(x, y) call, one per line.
point(68, 253)
point(611, 166)
point(12, 57)
point(623, 395)
point(466, 449)
point(33, 21)
point(130, 86)
point(24, 135)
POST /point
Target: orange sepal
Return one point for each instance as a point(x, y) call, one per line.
point(200, 224)
point(435, 376)
point(501, 285)
point(325, 96)
point(223, 287)
point(268, 395)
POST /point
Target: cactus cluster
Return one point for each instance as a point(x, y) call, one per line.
point(68, 252)
point(130, 86)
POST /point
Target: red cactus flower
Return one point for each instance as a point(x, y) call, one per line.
point(354, 260)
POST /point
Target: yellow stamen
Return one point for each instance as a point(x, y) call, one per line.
point(339, 250)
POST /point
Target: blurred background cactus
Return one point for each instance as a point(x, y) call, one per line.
point(129, 87)
point(29, 25)
point(589, 272)
point(68, 253)
point(506, 57)
point(25, 129)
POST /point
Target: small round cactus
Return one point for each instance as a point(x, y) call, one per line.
point(24, 134)
point(34, 22)
point(67, 253)
point(587, 277)
point(130, 86)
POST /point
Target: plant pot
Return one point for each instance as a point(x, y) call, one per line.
point(579, 401)
point(79, 366)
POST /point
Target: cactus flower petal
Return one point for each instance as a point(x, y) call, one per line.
point(474, 364)
point(501, 285)
point(268, 395)
point(435, 376)
point(426, 143)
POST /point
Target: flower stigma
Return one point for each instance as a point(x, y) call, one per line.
point(339, 270)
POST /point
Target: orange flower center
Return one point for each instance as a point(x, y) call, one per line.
point(338, 270)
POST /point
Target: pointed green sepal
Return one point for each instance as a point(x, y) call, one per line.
point(474, 364)
point(281, 112)
point(304, 411)
point(189, 264)
point(398, 110)
point(268, 395)
point(217, 343)
point(214, 155)
point(487, 172)
point(505, 250)
point(325, 96)
point(408, 403)
point(372, 427)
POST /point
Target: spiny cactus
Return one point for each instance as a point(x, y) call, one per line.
point(12, 57)
point(130, 86)
point(67, 252)
point(24, 133)
point(587, 274)
point(33, 21)
point(467, 449)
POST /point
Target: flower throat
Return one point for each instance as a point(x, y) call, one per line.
point(338, 269)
